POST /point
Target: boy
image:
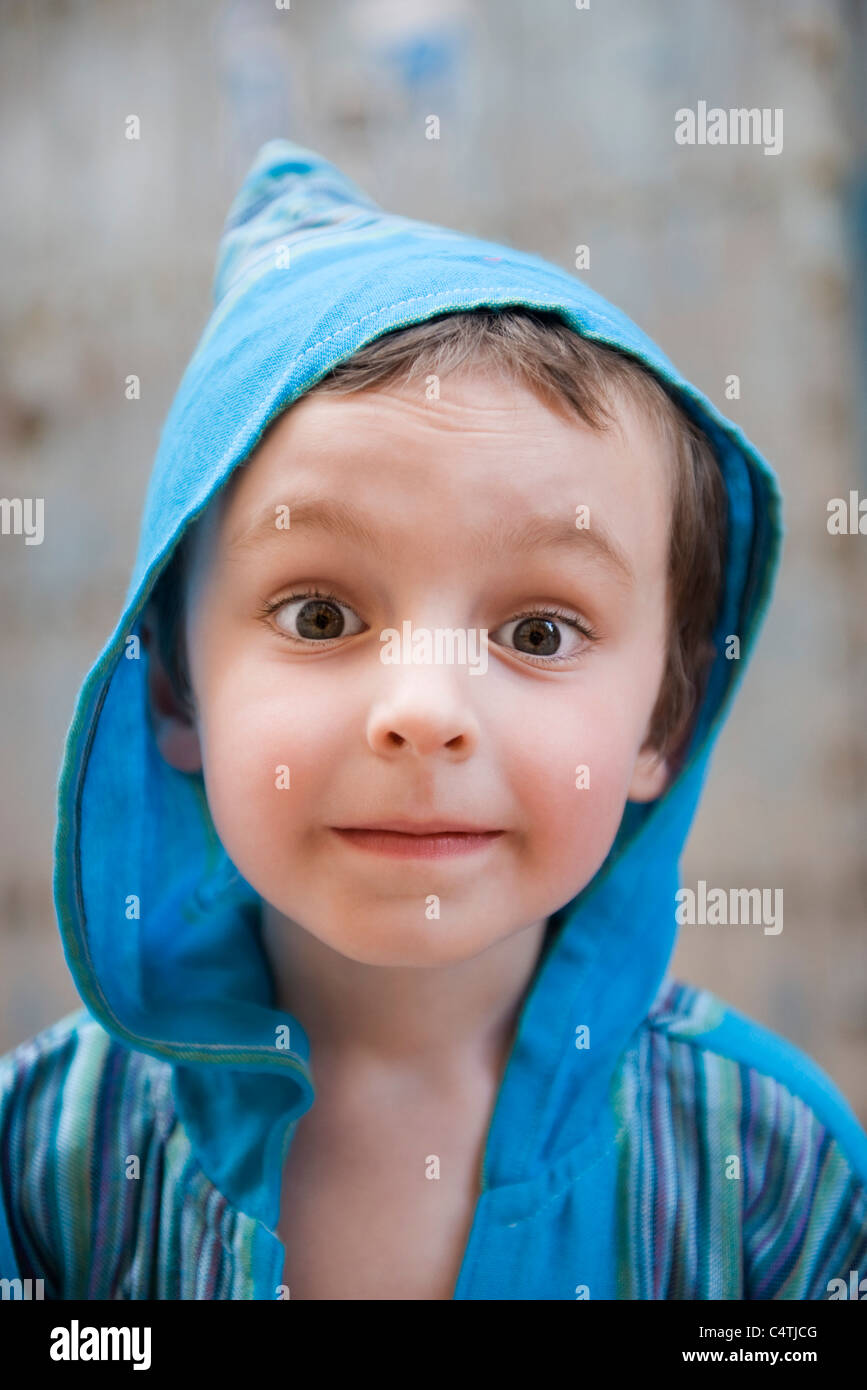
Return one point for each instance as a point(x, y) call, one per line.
point(371, 811)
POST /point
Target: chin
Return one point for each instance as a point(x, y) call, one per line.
point(405, 943)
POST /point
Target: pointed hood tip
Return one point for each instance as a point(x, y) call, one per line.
point(287, 188)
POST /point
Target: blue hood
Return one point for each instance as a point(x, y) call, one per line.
point(161, 933)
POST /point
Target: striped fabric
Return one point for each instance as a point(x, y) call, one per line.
point(78, 1108)
point(728, 1186)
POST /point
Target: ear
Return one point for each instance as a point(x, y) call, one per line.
point(176, 733)
point(650, 775)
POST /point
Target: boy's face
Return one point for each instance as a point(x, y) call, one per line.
point(443, 490)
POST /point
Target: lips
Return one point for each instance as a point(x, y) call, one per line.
point(433, 827)
point(406, 839)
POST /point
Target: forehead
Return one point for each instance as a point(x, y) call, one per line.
point(443, 469)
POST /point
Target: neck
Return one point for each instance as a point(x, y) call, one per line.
point(433, 1020)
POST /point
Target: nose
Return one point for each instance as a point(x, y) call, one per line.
point(423, 713)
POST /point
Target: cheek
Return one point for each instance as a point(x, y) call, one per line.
point(270, 746)
point(571, 776)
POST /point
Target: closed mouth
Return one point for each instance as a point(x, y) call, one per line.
point(441, 842)
point(406, 827)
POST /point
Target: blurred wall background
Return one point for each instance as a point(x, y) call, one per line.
point(556, 128)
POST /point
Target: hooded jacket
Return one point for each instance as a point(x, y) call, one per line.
point(687, 1154)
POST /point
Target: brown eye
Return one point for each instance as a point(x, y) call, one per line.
point(312, 618)
point(319, 618)
point(539, 634)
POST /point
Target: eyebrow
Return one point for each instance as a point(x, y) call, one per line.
point(345, 522)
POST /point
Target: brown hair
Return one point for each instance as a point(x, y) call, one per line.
point(570, 374)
